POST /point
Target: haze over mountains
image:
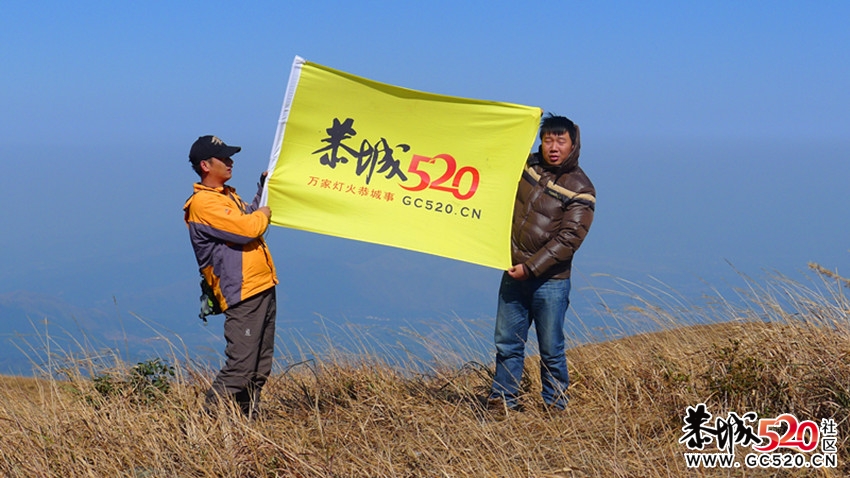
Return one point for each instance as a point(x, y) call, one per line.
point(715, 134)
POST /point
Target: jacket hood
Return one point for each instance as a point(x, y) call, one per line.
point(572, 160)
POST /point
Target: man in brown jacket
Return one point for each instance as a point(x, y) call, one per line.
point(553, 211)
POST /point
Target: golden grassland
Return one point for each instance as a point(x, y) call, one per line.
point(349, 415)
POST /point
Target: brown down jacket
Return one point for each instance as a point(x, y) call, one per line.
point(552, 215)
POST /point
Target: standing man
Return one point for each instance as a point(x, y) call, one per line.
point(234, 260)
point(552, 214)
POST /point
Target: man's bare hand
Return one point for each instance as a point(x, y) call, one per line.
point(518, 272)
point(265, 210)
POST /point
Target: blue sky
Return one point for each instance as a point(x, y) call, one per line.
point(715, 133)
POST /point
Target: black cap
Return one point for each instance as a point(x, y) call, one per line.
point(209, 146)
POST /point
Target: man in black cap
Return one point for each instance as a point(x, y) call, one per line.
point(235, 262)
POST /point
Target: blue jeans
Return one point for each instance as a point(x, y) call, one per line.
point(521, 303)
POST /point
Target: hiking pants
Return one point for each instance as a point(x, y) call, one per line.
point(249, 332)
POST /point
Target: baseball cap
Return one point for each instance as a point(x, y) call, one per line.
point(209, 146)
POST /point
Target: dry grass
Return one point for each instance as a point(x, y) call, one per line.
point(350, 415)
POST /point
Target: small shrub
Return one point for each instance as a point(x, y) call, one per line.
point(146, 383)
point(744, 381)
point(151, 379)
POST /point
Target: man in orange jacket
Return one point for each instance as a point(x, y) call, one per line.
point(234, 260)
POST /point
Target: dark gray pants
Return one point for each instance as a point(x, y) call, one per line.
point(249, 332)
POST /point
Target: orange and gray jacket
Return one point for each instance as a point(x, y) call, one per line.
point(552, 215)
point(227, 236)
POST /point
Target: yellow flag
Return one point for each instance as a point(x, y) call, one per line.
point(373, 162)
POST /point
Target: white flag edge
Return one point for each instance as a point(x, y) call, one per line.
point(294, 76)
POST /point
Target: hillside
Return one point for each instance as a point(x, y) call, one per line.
point(350, 415)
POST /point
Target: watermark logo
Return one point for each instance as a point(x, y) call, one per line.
point(809, 444)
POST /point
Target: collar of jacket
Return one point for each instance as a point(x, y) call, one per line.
point(221, 190)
